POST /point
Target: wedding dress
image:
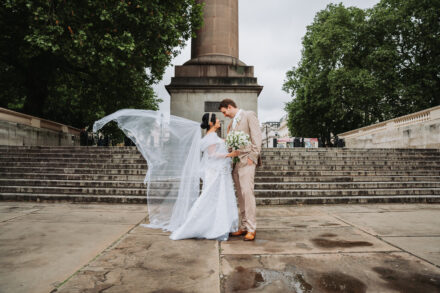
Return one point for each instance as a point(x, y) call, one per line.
point(214, 214)
point(172, 147)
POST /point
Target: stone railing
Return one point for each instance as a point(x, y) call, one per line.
point(416, 130)
point(21, 129)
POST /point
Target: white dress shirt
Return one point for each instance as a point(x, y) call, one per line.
point(235, 121)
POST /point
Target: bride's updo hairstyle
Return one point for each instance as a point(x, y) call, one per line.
point(205, 120)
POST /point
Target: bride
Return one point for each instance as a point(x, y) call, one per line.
point(177, 158)
point(214, 214)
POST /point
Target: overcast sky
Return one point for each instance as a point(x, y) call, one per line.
point(270, 40)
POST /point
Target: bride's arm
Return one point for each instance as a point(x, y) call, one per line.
point(213, 154)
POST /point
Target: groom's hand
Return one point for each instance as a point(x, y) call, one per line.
point(233, 154)
point(250, 162)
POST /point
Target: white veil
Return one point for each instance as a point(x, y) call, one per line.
point(171, 147)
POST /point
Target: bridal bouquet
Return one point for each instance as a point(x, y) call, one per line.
point(236, 140)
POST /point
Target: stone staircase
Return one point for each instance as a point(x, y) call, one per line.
point(289, 176)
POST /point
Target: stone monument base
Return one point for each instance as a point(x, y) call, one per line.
point(199, 87)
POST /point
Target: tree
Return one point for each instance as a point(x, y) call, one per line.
point(359, 67)
point(407, 40)
point(76, 61)
point(330, 80)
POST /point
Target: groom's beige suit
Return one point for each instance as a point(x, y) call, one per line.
point(243, 173)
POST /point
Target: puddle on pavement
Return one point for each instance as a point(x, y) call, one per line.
point(409, 282)
point(167, 291)
point(336, 282)
point(327, 243)
point(329, 224)
point(328, 235)
point(398, 275)
point(243, 279)
point(290, 280)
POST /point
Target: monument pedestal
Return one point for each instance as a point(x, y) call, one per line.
point(198, 88)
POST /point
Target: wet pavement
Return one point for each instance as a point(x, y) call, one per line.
point(332, 248)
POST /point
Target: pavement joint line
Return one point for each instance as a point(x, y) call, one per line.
point(87, 222)
point(303, 228)
point(317, 253)
point(19, 216)
point(112, 245)
point(389, 243)
point(220, 275)
point(410, 236)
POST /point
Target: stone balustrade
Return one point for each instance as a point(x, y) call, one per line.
point(25, 130)
point(416, 130)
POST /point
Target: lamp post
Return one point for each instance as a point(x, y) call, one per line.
point(267, 139)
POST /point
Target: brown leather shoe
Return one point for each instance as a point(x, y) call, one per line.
point(238, 233)
point(250, 236)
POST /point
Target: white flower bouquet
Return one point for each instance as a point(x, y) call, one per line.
point(236, 140)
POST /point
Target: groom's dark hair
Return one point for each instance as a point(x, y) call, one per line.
point(226, 102)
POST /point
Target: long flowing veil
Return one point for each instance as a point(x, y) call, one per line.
point(171, 147)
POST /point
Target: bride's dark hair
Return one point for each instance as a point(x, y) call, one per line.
point(205, 122)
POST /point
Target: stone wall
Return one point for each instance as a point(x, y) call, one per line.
point(23, 130)
point(417, 130)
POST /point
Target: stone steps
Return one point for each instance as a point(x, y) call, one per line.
point(258, 186)
point(100, 166)
point(266, 162)
point(140, 178)
point(271, 173)
point(258, 192)
point(289, 176)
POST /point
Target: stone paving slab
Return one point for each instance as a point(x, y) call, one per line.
point(37, 254)
point(427, 248)
point(145, 263)
point(8, 212)
point(299, 221)
point(343, 272)
point(325, 248)
point(396, 223)
point(101, 217)
point(298, 241)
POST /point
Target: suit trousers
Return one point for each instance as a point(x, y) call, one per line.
point(243, 176)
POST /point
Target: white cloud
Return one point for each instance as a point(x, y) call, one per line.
point(270, 40)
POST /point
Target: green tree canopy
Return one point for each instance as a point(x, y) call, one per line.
point(359, 67)
point(76, 61)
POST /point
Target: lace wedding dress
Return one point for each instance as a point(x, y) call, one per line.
point(214, 214)
point(172, 147)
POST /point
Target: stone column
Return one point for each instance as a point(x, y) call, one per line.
point(214, 71)
point(219, 34)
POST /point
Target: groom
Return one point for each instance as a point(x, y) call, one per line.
point(244, 171)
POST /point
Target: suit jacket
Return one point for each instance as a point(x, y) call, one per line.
point(248, 123)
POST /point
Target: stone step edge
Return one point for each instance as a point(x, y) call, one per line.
point(260, 201)
point(256, 190)
point(20, 174)
point(418, 163)
point(257, 183)
point(265, 149)
point(259, 174)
